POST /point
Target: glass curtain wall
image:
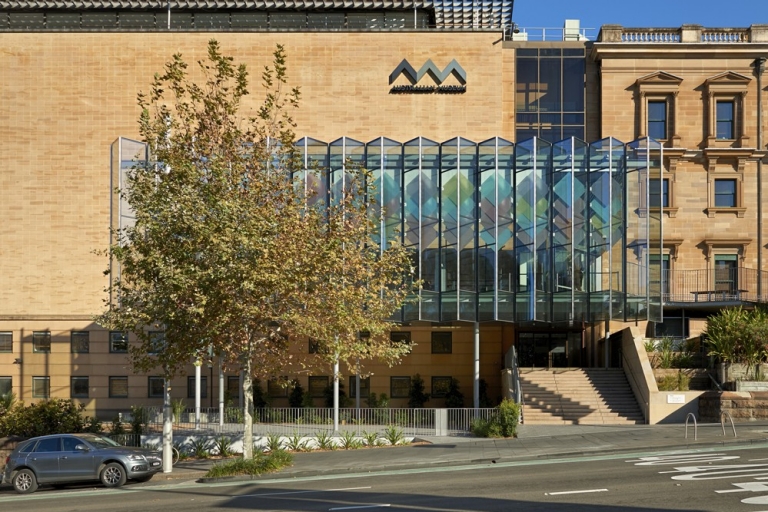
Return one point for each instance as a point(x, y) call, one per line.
point(532, 232)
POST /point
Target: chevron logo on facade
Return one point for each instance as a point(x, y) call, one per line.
point(429, 68)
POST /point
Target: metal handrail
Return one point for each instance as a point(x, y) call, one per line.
point(722, 422)
point(714, 380)
point(516, 380)
point(695, 427)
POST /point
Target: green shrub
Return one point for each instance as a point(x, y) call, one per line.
point(502, 424)
point(344, 400)
point(261, 463)
point(222, 445)
point(296, 398)
point(274, 442)
point(454, 398)
point(370, 438)
point(394, 435)
point(178, 407)
point(117, 428)
point(375, 401)
point(324, 440)
point(677, 382)
point(53, 416)
point(295, 443)
point(349, 441)
point(200, 449)
point(417, 396)
point(139, 419)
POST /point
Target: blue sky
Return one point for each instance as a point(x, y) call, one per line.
point(644, 13)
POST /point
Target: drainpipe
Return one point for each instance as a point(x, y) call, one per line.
point(759, 68)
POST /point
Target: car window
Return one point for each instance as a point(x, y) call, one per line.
point(48, 445)
point(27, 447)
point(101, 442)
point(69, 443)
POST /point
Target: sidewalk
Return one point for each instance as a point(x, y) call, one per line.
point(533, 441)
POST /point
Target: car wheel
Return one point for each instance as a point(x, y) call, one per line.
point(144, 478)
point(113, 475)
point(25, 481)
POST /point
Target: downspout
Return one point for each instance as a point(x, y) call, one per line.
point(759, 69)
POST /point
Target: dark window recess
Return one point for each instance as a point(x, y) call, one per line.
point(400, 336)
point(80, 342)
point(79, 387)
point(399, 387)
point(317, 386)
point(6, 342)
point(41, 341)
point(442, 342)
point(365, 387)
point(118, 387)
point(440, 386)
point(725, 193)
point(191, 386)
point(118, 342)
point(155, 387)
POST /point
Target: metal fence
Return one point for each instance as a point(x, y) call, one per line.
point(310, 421)
point(714, 285)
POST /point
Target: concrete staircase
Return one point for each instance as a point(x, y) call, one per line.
point(584, 396)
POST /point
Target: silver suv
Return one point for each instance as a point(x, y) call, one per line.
point(65, 458)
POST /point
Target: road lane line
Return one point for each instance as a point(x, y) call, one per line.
point(357, 507)
point(574, 492)
point(296, 492)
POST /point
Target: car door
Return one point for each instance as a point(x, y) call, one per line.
point(44, 461)
point(74, 463)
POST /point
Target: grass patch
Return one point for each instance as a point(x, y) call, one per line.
point(261, 463)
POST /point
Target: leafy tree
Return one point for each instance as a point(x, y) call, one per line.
point(228, 252)
point(417, 396)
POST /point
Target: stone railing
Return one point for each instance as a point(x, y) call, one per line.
point(684, 34)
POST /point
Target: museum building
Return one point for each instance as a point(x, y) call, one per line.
point(568, 194)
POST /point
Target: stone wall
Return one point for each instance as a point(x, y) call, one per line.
point(742, 406)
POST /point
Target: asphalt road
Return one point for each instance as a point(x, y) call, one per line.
point(715, 480)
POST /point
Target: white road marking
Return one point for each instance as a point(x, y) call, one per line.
point(574, 492)
point(297, 492)
point(361, 506)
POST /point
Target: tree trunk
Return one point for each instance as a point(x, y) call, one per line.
point(248, 402)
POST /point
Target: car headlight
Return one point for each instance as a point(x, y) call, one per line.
point(136, 457)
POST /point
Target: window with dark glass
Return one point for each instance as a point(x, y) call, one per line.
point(233, 386)
point(659, 192)
point(118, 342)
point(725, 193)
point(155, 387)
point(399, 387)
point(118, 387)
point(365, 386)
point(276, 389)
point(6, 342)
point(80, 342)
point(41, 341)
point(191, 386)
point(79, 387)
point(440, 386)
point(725, 116)
point(550, 93)
point(442, 342)
point(51, 444)
point(657, 120)
point(314, 346)
point(726, 273)
point(41, 387)
point(400, 336)
point(6, 385)
point(317, 385)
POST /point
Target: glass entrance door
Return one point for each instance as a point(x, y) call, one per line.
point(543, 349)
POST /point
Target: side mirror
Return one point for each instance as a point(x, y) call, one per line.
point(81, 448)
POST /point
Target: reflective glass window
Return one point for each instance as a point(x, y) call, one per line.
point(657, 120)
point(725, 119)
point(725, 193)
